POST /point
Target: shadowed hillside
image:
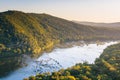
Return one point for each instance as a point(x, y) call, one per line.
point(29, 33)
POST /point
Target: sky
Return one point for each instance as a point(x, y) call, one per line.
point(80, 10)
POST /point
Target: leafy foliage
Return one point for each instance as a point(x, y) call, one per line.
point(31, 34)
point(107, 67)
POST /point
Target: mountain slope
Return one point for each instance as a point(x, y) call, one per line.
point(71, 31)
point(29, 33)
point(37, 31)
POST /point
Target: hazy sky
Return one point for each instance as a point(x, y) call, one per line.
point(80, 10)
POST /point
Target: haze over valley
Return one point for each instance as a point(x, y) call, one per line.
point(59, 40)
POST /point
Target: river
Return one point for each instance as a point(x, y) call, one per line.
point(59, 58)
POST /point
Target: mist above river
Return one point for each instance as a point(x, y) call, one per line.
point(58, 59)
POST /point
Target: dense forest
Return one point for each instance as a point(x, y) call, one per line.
point(31, 34)
point(107, 67)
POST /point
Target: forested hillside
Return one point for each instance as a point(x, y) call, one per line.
point(107, 67)
point(31, 34)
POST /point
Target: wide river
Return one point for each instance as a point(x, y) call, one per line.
point(58, 59)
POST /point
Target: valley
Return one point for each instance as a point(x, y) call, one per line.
point(31, 36)
point(60, 58)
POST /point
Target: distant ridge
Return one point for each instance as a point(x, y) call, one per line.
point(31, 34)
point(111, 25)
point(38, 32)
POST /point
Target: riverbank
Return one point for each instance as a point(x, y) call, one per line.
point(60, 58)
point(106, 67)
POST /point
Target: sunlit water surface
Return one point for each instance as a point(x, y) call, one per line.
point(59, 58)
